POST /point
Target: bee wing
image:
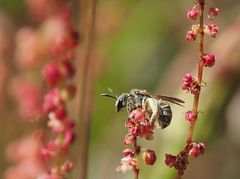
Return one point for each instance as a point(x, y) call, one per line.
point(170, 99)
point(141, 92)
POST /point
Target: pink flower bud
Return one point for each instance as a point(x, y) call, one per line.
point(194, 152)
point(208, 60)
point(187, 79)
point(51, 74)
point(51, 100)
point(149, 157)
point(129, 139)
point(69, 123)
point(197, 149)
point(192, 14)
point(212, 12)
point(69, 137)
point(190, 117)
point(190, 36)
point(60, 112)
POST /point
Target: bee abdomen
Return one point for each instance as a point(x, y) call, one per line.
point(165, 115)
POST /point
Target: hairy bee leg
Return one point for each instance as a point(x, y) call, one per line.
point(150, 105)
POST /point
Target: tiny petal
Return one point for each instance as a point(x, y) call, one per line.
point(202, 148)
point(128, 152)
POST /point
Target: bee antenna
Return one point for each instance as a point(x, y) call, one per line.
point(108, 95)
point(113, 92)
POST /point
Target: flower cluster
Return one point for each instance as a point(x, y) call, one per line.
point(180, 161)
point(58, 75)
point(128, 162)
point(194, 84)
point(210, 28)
point(50, 47)
point(138, 126)
point(191, 84)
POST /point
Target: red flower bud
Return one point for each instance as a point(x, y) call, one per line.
point(192, 14)
point(149, 157)
point(51, 74)
point(60, 112)
point(170, 160)
point(208, 60)
point(212, 12)
point(187, 79)
point(69, 137)
point(190, 36)
point(197, 149)
point(190, 116)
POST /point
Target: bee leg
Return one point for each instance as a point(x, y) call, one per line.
point(150, 106)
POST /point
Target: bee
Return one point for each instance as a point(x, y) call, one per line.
point(155, 106)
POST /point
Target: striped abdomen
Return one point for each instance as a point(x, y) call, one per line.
point(165, 114)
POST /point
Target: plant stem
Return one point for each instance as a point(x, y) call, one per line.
point(200, 70)
point(83, 106)
point(137, 152)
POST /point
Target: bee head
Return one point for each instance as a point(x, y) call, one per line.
point(121, 101)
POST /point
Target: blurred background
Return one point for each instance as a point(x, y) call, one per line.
point(138, 44)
